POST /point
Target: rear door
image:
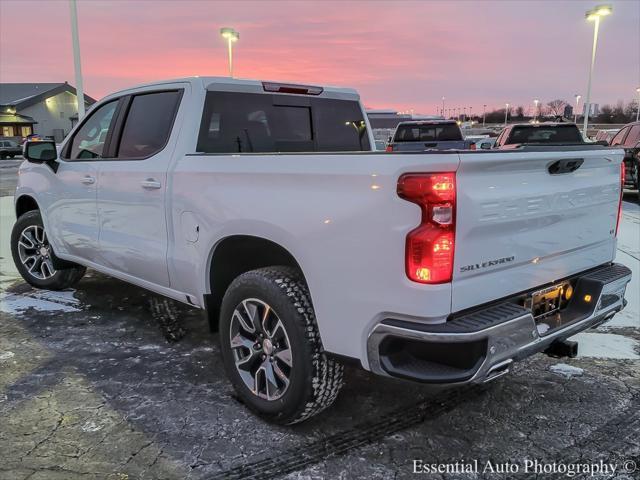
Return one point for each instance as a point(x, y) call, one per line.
point(519, 226)
point(132, 189)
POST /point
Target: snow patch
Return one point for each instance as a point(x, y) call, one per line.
point(49, 302)
point(566, 371)
point(6, 356)
point(606, 345)
point(90, 427)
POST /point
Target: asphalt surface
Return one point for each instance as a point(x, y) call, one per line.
point(90, 387)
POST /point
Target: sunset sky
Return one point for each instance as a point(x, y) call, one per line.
point(399, 55)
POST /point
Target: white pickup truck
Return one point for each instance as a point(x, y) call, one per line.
point(263, 204)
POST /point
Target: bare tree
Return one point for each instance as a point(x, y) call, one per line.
point(556, 107)
point(520, 112)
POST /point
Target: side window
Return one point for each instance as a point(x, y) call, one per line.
point(88, 141)
point(617, 140)
point(148, 124)
point(634, 136)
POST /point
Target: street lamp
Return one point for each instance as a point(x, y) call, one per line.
point(484, 110)
point(231, 36)
point(575, 115)
point(443, 106)
point(535, 110)
point(73, 10)
point(593, 15)
point(506, 113)
point(638, 108)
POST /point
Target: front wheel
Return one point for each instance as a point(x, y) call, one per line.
point(271, 347)
point(34, 257)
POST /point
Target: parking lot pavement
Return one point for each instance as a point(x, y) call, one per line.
point(9, 175)
point(91, 388)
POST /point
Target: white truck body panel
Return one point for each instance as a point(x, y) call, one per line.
point(337, 214)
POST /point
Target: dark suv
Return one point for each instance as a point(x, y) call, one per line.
point(9, 149)
point(629, 138)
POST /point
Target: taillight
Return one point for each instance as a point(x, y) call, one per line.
point(430, 247)
point(472, 146)
point(388, 148)
point(622, 173)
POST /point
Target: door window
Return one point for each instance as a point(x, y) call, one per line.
point(617, 140)
point(148, 124)
point(89, 140)
point(634, 136)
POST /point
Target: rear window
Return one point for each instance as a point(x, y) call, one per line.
point(428, 133)
point(234, 122)
point(550, 134)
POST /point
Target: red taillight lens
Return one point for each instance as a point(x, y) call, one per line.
point(388, 148)
point(430, 247)
point(622, 173)
point(472, 146)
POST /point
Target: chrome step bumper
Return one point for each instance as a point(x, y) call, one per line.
point(479, 346)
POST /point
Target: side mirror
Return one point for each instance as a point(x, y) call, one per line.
point(485, 146)
point(41, 152)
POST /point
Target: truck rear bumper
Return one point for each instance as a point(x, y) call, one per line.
point(480, 345)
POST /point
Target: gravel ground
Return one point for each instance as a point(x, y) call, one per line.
point(91, 387)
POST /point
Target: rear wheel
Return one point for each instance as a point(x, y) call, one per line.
point(34, 257)
point(271, 347)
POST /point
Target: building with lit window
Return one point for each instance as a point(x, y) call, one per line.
point(48, 109)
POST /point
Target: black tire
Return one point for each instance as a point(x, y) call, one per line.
point(3, 155)
point(61, 278)
point(314, 378)
point(11, 155)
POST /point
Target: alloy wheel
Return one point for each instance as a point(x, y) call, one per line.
point(261, 349)
point(35, 252)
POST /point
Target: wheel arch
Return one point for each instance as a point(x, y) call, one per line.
point(25, 203)
point(234, 255)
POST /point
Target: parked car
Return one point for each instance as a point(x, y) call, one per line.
point(9, 149)
point(264, 204)
point(629, 138)
point(427, 135)
point(548, 133)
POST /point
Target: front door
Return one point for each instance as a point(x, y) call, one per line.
point(132, 188)
point(71, 213)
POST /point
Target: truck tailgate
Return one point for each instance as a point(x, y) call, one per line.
point(518, 226)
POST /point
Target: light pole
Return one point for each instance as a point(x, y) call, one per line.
point(76, 57)
point(638, 108)
point(575, 115)
point(484, 113)
point(535, 110)
point(506, 113)
point(593, 15)
point(231, 36)
point(443, 106)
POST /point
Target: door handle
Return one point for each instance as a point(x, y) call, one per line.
point(150, 184)
point(88, 180)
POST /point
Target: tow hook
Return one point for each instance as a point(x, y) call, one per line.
point(562, 349)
